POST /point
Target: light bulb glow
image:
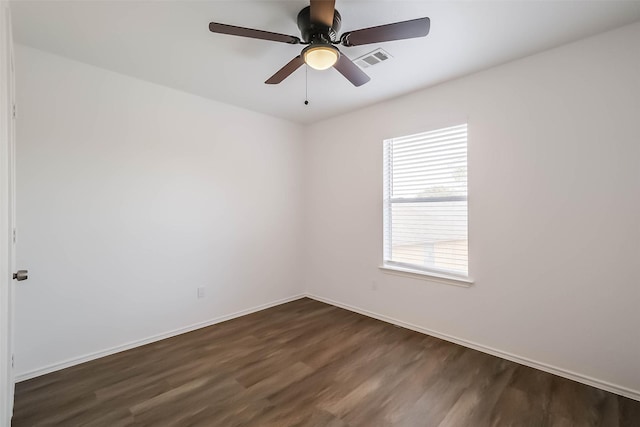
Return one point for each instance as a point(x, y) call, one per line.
point(321, 57)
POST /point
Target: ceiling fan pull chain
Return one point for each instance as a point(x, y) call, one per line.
point(306, 85)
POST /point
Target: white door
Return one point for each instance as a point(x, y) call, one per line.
point(12, 207)
point(7, 214)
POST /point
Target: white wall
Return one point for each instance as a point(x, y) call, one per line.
point(132, 195)
point(554, 183)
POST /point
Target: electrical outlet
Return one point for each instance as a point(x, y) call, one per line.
point(201, 292)
point(374, 285)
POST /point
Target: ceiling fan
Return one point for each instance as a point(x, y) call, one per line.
point(319, 24)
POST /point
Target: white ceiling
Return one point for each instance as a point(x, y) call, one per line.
point(168, 42)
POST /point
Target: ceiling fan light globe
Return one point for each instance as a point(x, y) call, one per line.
point(321, 57)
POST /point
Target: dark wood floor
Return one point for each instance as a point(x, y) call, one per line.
point(310, 364)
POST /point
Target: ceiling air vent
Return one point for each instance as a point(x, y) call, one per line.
point(372, 58)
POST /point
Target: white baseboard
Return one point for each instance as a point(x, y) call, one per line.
point(109, 351)
point(604, 385)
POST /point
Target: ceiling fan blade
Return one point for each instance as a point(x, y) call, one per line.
point(285, 71)
point(351, 71)
point(232, 30)
point(322, 11)
point(384, 33)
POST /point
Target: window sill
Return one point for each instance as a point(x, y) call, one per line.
point(428, 276)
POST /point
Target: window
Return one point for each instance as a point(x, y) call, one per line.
point(425, 202)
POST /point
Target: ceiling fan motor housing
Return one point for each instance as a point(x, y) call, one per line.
point(316, 32)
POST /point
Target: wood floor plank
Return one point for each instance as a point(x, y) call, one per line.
point(525, 400)
point(629, 412)
point(475, 404)
point(308, 364)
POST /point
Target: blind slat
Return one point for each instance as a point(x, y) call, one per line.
point(418, 168)
point(451, 146)
point(427, 160)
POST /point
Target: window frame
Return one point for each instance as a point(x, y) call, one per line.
point(408, 269)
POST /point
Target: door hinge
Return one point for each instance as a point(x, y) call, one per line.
point(14, 111)
point(12, 361)
point(14, 235)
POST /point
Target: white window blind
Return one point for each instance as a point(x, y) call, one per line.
point(425, 201)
